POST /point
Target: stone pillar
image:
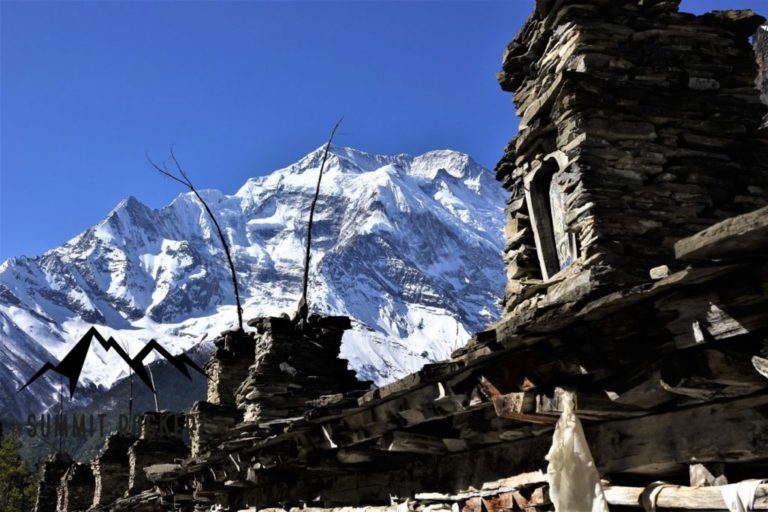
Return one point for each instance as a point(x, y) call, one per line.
point(227, 368)
point(295, 364)
point(53, 469)
point(110, 469)
point(160, 441)
point(75, 492)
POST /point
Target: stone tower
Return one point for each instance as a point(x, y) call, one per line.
point(639, 126)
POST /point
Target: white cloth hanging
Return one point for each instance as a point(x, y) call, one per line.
point(740, 497)
point(574, 483)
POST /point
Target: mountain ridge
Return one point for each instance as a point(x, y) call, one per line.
point(408, 246)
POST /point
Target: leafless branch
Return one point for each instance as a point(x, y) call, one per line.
point(184, 180)
point(303, 304)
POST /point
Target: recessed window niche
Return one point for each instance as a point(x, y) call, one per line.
point(556, 246)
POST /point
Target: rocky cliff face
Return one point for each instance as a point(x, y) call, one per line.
point(406, 246)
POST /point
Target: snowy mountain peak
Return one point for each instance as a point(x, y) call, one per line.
point(408, 246)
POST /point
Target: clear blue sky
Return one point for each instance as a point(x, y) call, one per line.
point(241, 88)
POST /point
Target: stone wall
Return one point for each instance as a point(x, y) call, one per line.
point(51, 472)
point(227, 368)
point(75, 493)
point(639, 127)
point(295, 364)
point(110, 469)
point(160, 440)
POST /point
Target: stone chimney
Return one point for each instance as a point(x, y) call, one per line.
point(639, 126)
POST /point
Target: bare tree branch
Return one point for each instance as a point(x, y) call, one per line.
point(184, 180)
point(303, 304)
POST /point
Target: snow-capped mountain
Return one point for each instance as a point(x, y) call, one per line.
point(407, 246)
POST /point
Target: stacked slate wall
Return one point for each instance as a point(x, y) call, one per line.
point(296, 363)
point(75, 493)
point(51, 472)
point(160, 441)
point(211, 420)
point(110, 469)
point(645, 119)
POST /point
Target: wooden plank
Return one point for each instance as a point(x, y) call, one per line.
point(679, 497)
point(587, 405)
point(706, 432)
point(645, 391)
point(540, 497)
point(727, 310)
point(520, 407)
point(743, 235)
point(413, 408)
point(489, 489)
point(418, 443)
point(669, 497)
point(707, 374)
point(429, 373)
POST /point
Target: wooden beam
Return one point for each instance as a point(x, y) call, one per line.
point(520, 407)
point(743, 235)
point(679, 497)
point(418, 443)
point(587, 405)
point(706, 433)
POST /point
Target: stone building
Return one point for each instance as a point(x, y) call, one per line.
point(637, 258)
point(638, 128)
